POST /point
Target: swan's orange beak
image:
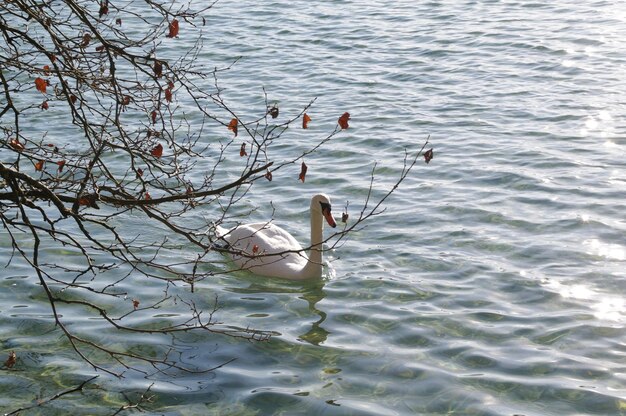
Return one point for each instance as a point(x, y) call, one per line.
point(329, 217)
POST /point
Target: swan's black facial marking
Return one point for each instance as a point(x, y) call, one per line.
point(326, 209)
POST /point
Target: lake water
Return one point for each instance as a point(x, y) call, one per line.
point(495, 282)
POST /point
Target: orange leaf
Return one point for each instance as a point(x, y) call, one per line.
point(233, 126)
point(41, 85)
point(305, 121)
point(44, 105)
point(168, 95)
point(15, 143)
point(157, 151)
point(173, 29)
point(61, 164)
point(343, 120)
point(303, 170)
point(39, 166)
point(46, 69)
point(428, 156)
point(268, 176)
point(242, 151)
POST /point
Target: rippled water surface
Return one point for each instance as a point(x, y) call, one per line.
point(494, 284)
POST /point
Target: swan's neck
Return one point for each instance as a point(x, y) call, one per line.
point(314, 265)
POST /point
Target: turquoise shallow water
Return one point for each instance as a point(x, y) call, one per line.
point(494, 283)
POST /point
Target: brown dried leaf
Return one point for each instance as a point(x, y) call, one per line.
point(10, 362)
point(303, 170)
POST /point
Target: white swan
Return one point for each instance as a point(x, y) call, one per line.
point(260, 244)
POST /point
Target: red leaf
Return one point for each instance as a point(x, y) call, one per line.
point(428, 156)
point(343, 120)
point(15, 143)
point(303, 170)
point(173, 29)
point(148, 197)
point(135, 303)
point(273, 112)
point(158, 69)
point(73, 99)
point(233, 126)
point(268, 176)
point(44, 105)
point(168, 95)
point(41, 85)
point(305, 121)
point(39, 166)
point(154, 116)
point(242, 151)
point(157, 151)
point(60, 164)
point(139, 172)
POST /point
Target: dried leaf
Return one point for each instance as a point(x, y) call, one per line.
point(242, 150)
point(343, 120)
point(60, 164)
point(305, 121)
point(118, 21)
point(126, 100)
point(153, 115)
point(173, 29)
point(139, 172)
point(100, 48)
point(104, 8)
point(10, 362)
point(41, 85)
point(148, 197)
point(233, 126)
point(85, 200)
point(268, 176)
point(158, 69)
point(86, 40)
point(168, 95)
point(46, 70)
point(73, 99)
point(135, 303)
point(15, 144)
point(273, 112)
point(428, 155)
point(344, 217)
point(39, 166)
point(255, 249)
point(44, 105)
point(303, 170)
point(157, 151)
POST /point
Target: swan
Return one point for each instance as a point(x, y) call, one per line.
point(259, 241)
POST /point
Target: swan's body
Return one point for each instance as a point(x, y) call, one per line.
point(268, 250)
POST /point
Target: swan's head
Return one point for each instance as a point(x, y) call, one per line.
point(320, 203)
